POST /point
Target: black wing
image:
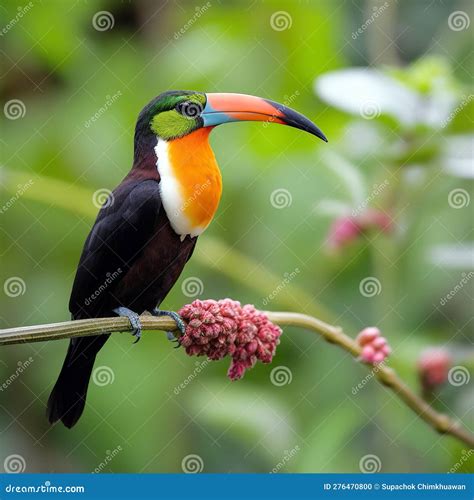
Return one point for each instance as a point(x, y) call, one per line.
point(123, 227)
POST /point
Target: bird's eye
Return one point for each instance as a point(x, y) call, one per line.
point(189, 109)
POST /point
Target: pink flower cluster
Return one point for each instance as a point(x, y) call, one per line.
point(346, 229)
point(375, 348)
point(219, 328)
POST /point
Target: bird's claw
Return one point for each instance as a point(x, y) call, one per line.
point(170, 336)
point(134, 319)
point(178, 320)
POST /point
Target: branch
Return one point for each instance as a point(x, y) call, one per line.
point(335, 335)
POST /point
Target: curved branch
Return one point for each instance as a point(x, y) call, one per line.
point(81, 328)
point(335, 335)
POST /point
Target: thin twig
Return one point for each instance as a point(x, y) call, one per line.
point(81, 328)
point(387, 376)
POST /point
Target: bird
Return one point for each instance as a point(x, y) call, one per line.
point(146, 230)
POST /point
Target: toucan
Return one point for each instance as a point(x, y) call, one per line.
point(146, 230)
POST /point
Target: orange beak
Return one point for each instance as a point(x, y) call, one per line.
point(226, 108)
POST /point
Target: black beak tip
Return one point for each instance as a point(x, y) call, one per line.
point(297, 120)
point(319, 133)
point(308, 126)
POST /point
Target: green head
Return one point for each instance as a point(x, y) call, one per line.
point(175, 114)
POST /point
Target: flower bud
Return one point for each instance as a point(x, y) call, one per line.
point(375, 348)
point(224, 328)
point(433, 367)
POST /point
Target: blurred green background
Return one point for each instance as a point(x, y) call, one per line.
point(74, 77)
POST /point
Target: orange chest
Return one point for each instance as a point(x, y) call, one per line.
point(191, 182)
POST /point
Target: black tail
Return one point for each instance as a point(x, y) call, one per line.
point(68, 397)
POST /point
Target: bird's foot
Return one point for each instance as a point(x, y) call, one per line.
point(177, 318)
point(134, 319)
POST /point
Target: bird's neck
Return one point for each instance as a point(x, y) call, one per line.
point(191, 183)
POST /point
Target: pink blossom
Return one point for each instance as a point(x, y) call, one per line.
point(347, 229)
point(375, 348)
point(433, 367)
point(225, 328)
point(343, 231)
